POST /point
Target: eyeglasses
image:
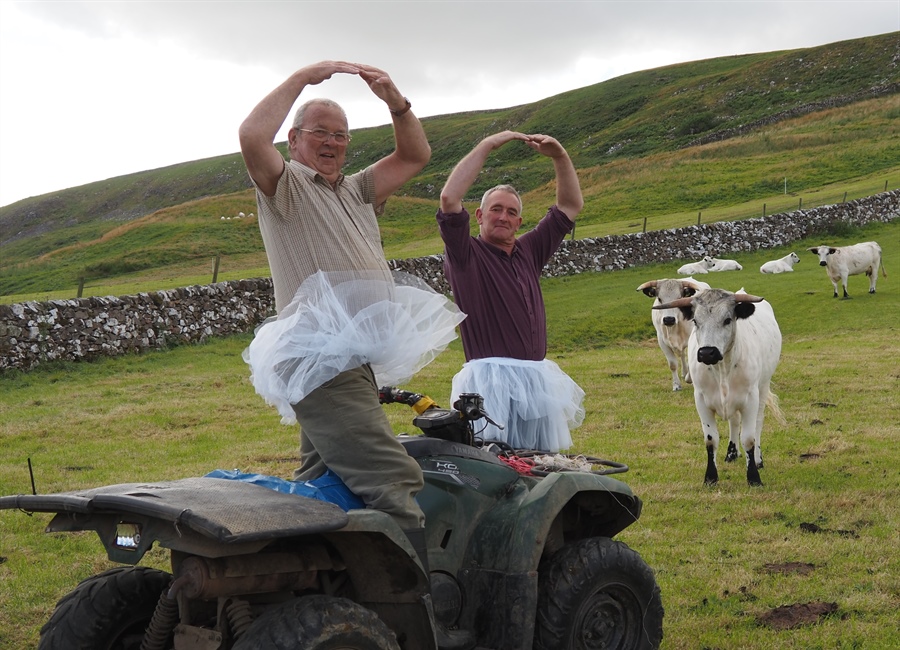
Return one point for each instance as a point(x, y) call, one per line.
point(322, 135)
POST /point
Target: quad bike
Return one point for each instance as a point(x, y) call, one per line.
point(517, 558)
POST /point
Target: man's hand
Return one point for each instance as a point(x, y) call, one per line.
point(382, 85)
point(316, 73)
point(499, 139)
point(546, 145)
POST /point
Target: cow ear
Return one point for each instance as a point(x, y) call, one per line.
point(650, 292)
point(832, 251)
point(814, 251)
point(744, 309)
point(687, 312)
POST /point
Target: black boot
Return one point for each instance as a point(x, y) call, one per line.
point(447, 639)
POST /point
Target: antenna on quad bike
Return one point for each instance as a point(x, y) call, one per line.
point(31, 474)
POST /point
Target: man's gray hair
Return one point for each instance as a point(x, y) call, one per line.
point(501, 188)
point(301, 112)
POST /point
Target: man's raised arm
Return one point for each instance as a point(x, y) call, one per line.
point(257, 133)
point(568, 189)
point(412, 151)
point(467, 169)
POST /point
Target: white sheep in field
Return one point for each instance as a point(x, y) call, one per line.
point(782, 265)
point(716, 264)
point(693, 268)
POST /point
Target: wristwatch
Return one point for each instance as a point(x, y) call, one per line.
point(401, 111)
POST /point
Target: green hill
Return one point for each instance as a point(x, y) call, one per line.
point(660, 144)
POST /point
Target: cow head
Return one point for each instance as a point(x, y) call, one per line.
point(794, 258)
point(823, 252)
point(667, 290)
point(714, 313)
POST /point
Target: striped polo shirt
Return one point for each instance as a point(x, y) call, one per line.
point(308, 226)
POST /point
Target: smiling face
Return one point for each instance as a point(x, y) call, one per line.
point(500, 219)
point(325, 156)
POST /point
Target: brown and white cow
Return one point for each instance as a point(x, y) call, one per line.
point(672, 329)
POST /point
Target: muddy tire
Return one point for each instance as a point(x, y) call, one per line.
point(597, 593)
point(318, 623)
point(108, 611)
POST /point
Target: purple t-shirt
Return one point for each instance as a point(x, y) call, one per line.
point(500, 293)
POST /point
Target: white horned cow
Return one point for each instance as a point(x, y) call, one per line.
point(672, 329)
point(732, 354)
point(715, 264)
point(840, 262)
point(781, 265)
point(694, 268)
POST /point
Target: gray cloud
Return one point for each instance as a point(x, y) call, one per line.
point(447, 56)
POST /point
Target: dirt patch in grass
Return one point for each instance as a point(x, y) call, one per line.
point(802, 568)
point(788, 617)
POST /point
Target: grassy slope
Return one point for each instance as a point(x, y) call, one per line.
point(189, 410)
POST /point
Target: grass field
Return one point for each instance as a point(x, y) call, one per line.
point(824, 528)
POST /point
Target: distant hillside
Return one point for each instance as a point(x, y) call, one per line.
point(637, 140)
point(634, 115)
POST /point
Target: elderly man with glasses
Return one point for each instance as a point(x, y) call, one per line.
point(334, 291)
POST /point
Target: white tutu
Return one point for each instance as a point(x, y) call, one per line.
point(535, 401)
point(339, 321)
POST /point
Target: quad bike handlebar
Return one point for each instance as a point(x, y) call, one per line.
point(457, 425)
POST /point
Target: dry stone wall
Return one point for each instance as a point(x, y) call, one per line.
point(86, 328)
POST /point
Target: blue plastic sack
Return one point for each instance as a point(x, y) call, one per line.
point(328, 487)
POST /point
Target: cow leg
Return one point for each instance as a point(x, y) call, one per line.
point(710, 437)
point(672, 358)
point(732, 453)
point(685, 367)
point(873, 277)
point(844, 284)
point(751, 424)
point(734, 438)
point(753, 478)
point(834, 283)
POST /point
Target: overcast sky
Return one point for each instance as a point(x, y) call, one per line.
point(93, 90)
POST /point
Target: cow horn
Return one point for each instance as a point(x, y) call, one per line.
point(746, 297)
point(681, 302)
point(647, 285)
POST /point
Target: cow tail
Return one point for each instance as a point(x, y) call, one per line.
point(775, 409)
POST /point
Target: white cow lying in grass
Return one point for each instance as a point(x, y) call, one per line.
point(715, 264)
point(782, 265)
point(694, 268)
point(672, 329)
point(843, 261)
point(732, 354)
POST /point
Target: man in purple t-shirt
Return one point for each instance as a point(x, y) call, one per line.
point(495, 279)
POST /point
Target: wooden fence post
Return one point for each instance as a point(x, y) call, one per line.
point(698, 217)
point(764, 209)
point(800, 207)
point(80, 286)
point(215, 269)
point(645, 225)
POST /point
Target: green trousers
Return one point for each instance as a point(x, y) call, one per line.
point(343, 427)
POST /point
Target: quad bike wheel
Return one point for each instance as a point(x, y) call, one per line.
point(108, 611)
point(597, 593)
point(318, 623)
